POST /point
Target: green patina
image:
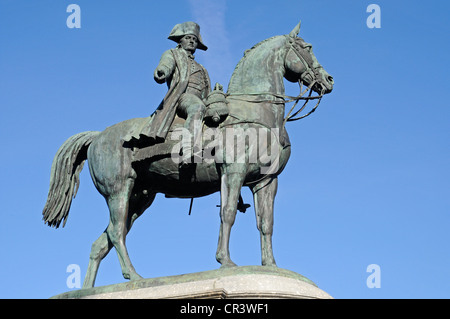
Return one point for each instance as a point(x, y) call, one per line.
point(129, 164)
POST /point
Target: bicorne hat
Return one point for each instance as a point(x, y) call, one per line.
point(182, 29)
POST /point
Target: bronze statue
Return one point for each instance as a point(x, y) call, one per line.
point(189, 86)
point(129, 176)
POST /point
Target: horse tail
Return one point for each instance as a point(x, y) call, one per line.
point(65, 177)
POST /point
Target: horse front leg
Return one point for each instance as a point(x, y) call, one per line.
point(231, 183)
point(264, 196)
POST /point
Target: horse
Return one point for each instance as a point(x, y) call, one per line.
point(130, 177)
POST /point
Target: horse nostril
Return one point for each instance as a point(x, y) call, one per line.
point(330, 79)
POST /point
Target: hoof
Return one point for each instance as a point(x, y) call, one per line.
point(228, 264)
point(87, 286)
point(132, 277)
point(273, 265)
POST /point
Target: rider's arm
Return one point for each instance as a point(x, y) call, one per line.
point(165, 67)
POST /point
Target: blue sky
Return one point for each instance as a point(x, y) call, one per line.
point(369, 176)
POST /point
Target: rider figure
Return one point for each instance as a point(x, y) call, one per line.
point(188, 84)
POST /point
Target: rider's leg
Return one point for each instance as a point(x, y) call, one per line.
point(193, 110)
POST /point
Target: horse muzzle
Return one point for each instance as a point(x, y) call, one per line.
point(327, 82)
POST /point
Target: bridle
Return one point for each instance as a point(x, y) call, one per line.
point(310, 70)
point(314, 74)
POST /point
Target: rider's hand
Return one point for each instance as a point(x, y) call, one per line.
point(160, 76)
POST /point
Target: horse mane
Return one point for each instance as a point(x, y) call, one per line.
point(300, 41)
point(247, 54)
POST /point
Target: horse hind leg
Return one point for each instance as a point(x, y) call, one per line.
point(102, 246)
point(117, 229)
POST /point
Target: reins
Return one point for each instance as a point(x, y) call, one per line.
point(292, 118)
point(313, 71)
point(287, 99)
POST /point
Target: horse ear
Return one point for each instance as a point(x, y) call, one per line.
point(295, 31)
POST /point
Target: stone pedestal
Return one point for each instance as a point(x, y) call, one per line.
point(255, 282)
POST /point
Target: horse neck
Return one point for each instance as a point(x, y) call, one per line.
point(261, 70)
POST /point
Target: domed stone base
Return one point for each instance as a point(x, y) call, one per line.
point(255, 282)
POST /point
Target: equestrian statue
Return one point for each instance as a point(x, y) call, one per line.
point(198, 141)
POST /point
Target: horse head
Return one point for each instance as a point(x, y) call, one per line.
point(301, 65)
